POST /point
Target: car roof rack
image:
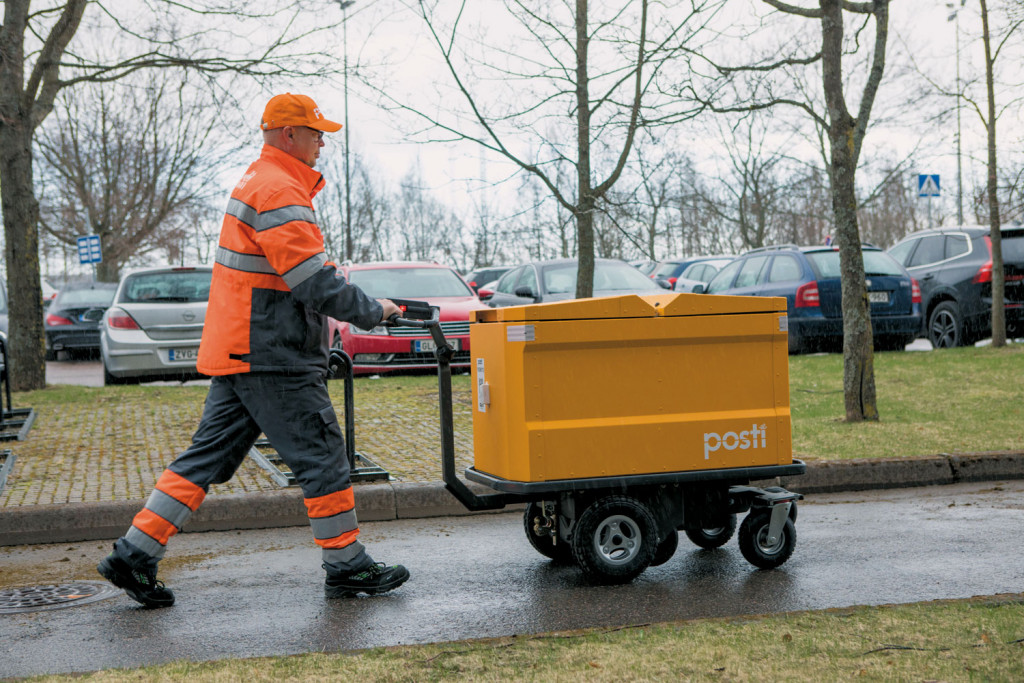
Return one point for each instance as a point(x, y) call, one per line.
point(773, 247)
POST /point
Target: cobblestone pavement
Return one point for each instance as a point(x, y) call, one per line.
point(115, 448)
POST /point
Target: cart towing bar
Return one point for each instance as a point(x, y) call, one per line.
point(423, 315)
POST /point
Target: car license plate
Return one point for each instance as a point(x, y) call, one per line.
point(878, 297)
point(428, 345)
point(183, 354)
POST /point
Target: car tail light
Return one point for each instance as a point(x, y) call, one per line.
point(915, 292)
point(807, 295)
point(120, 320)
point(984, 273)
point(672, 281)
point(56, 320)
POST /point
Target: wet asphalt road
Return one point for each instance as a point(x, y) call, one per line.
point(243, 594)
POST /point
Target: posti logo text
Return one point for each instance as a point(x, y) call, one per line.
point(753, 438)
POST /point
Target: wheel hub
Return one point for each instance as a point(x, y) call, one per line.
point(618, 539)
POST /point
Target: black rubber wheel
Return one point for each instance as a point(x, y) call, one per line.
point(666, 549)
point(110, 380)
point(796, 344)
point(945, 326)
point(713, 538)
point(891, 343)
point(753, 538)
point(615, 539)
point(543, 543)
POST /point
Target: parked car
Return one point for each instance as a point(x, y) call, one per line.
point(153, 327)
point(72, 320)
point(954, 267)
point(481, 276)
point(667, 272)
point(543, 281)
point(645, 266)
point(386, 349)
point(698, 274)
point(48, 293)
point(809, 279)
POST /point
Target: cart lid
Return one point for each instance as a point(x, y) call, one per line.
point(633, 306)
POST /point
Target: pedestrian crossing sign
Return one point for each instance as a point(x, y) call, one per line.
point(927, 185)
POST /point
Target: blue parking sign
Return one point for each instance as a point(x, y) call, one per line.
point(89, 249)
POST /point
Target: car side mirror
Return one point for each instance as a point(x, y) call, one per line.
point(484, 294)
point(698, 289)
point(665, 284)
point(525, 292)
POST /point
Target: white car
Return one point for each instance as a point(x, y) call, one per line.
point(700, 273)
point(153, 327)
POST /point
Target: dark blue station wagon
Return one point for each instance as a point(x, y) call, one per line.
point(809, 278)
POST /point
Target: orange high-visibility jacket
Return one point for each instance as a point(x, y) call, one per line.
point(272, 283)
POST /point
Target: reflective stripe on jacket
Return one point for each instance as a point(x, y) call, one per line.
point(272, 283)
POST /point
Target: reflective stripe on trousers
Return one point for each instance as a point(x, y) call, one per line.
point(296, 414)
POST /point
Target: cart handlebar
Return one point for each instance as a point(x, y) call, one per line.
point(414, 314)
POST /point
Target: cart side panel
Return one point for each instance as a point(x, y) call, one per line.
point(592, 398)
point(499, 441)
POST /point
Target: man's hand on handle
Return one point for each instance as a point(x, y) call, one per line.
point(390, 309)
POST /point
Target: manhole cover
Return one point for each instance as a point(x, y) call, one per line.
point(53, 596)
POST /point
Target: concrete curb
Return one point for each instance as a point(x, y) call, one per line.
point(70, 522)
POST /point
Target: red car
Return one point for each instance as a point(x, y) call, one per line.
point(385, 349)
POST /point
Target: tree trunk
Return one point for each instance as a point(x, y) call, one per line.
point(998, 274)
point(25, 349)
point(858, 351)
point(585, 203)
point(860, 400)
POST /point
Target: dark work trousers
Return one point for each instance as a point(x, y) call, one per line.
point(296, 414)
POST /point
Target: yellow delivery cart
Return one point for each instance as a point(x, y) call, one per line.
point(621, 421)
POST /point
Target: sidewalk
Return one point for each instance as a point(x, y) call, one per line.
point(82, 474)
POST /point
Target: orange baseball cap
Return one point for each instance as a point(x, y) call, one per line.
point(295, 110)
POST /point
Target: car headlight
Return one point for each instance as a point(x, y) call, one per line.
point(380, 329)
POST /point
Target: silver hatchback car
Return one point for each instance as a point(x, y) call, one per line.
point(152, 329)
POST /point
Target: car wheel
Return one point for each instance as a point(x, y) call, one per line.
point(797, 344)
point(113, 380)
point(891, 343)
point(945, 326)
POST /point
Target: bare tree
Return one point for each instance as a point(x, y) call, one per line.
point(114, 164)
point(754, 185)
point(371, 203)
point(987, 206)
point(845, 134)
point(597, 80)
point(38, 60)
point(989, 118)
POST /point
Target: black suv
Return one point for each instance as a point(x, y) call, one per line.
point(954, 269)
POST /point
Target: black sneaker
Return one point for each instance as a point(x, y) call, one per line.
point(376, 579)
point(141, 586)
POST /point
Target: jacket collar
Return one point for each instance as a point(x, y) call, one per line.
point(312, 179)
